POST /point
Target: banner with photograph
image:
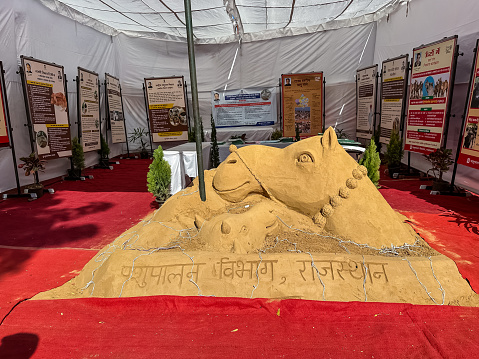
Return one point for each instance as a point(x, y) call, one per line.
point(469, 154)
point(429, 95)
point(366, 83)
point(254, 106)
point(4, 141)
point(302, 103)
point(48, 108)
point(167, 112)
point(115, 109)
point(393, 92)
point(89, 100)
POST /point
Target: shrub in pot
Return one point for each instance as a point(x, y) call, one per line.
point(394, 153)
point(104, 151)
point(441, 160)
point(159, 176)
point(30, 165)
point(140, 135)
point(78, 159)
point(371, 161)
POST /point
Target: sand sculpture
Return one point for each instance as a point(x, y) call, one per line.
point(300, 222)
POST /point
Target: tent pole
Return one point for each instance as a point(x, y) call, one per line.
point(194, 96)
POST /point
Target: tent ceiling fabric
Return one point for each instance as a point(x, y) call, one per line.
point(213, 21)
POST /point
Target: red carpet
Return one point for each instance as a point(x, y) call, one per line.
point(90, 214)
point(192, 327)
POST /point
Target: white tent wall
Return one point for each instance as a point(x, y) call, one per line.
point(428, 21)
point(30, 29)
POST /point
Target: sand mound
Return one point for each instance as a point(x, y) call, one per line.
point(302, 222)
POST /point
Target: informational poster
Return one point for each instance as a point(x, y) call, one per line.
point(469, 154)
point(393, 93)
point(429, 95)
point(115, 109)
point(255, 106)
point(302, 104)
point(89, 110)
point(366, 83)
point(4, 142)
point(48, 108)
point(167, 110)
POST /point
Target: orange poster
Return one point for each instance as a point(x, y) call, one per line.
point(3, 121)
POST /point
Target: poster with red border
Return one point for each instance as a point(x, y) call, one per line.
point(469, 154)
point(429, 95)
point(4, 141)
point(115, 109)
point(366, 88)
point(167, 112)
point(47, 108)
point(302, 103)
point(393, 93)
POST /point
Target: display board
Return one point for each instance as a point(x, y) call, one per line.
point(429, 90)
point(302, 103)
point(393, 93)
point(469, 153)
point(89, 109)
point(4, 140)
point(47, 108)
point(115, 109)
point(366, 87)
point(167, 110)
point(254, 106)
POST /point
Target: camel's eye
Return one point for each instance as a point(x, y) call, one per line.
point(305, 158)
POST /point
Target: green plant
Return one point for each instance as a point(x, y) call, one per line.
point(104, 150)
point(78, 157)
point(159, 176)
point(140, 134)
point(371, 161)
point(377, 140)
point(297, 131)
point(215, 151)
point(441, 160)
point(340, 133)
point(394, 151)
point(276, 135)
point(192, 132)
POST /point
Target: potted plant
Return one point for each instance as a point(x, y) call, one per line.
point(394, 153)
point(159, 177)
point(140, 134)
point(78, 159)
point(104, 151)
point(276, 135)
point(31, 165)
point(371, 161)
point(441, 160)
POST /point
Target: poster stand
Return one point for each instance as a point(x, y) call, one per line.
point(376, 105)
point(324, 104)
point(105, 162)
point(280, 102)
point(451, 91)
point(128, 157)
point(29, 124)
point(10, 137)
point(150, 135)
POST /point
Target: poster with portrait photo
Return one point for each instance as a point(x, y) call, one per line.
point(366, 83)
point(89, 100)
point(469, 154)
point(47, 108)
point(167, 111)
point(302, 102)
point(429, 95)
point(115, 109)
point(393, 93)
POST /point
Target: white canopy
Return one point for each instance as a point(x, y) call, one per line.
point(220, 21)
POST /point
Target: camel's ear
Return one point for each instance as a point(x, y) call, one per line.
point(329, 140)
point(199, 221)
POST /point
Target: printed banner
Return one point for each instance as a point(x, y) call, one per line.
point(366, 101)
point(302, 104)
point(167, 110)
point(115, 109)
point(90, 110)
point(4, 142)
point(469, 155)
point(48, 108)
point(255, 106)
point(428, 95)
point(393, 92)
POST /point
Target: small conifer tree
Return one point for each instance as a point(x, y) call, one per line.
point(78, 157)
point(394, 150)
point(104, 150)
point(215, 151)
point(371, 161)
point(159, 176)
